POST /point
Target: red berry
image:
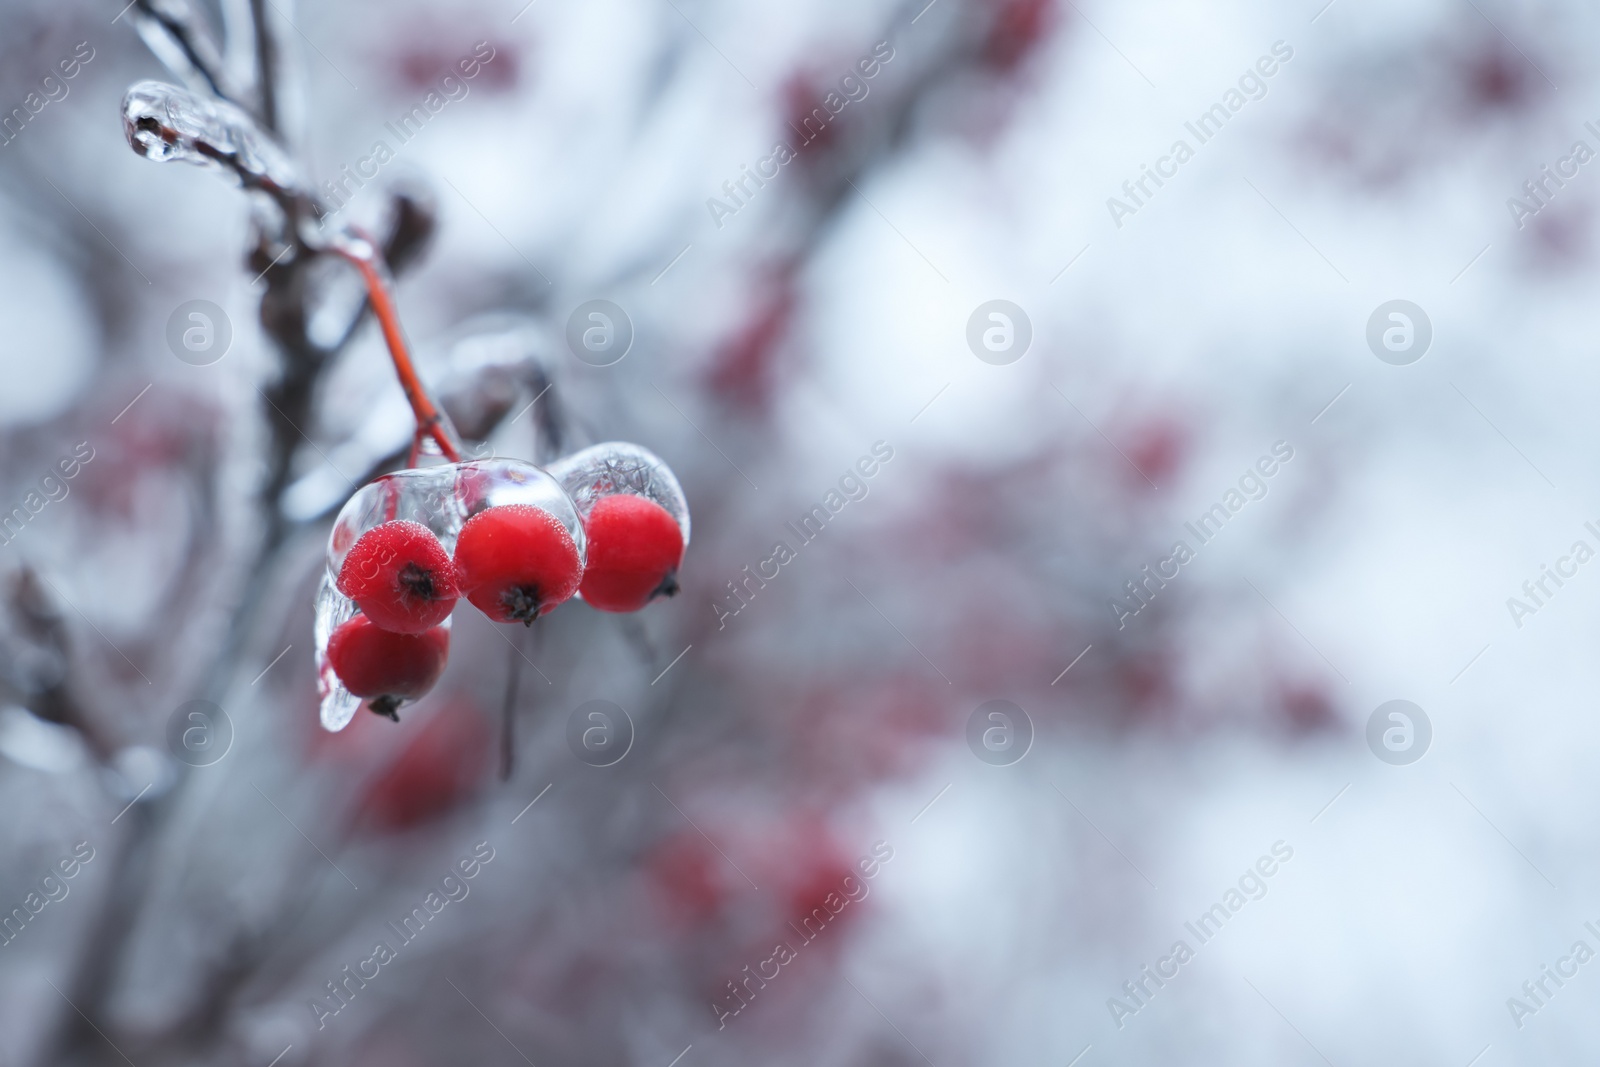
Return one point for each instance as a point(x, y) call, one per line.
point(635, 549)
point(516, 562)
point(385, 666)
point(401, 577)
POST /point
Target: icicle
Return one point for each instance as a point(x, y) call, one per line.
point(339, 706)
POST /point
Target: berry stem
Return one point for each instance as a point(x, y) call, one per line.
point(364, 255)
point(508, 712)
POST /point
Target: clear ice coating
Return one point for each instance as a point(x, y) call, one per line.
point(163, 122)
point(425, 495)
point(489, 483)
point(620, 467)
point(333, 609)
point(442, 498)
point(445, 496)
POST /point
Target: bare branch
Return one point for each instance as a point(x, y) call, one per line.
point(266, 66)
point(34, 665)
point(174, 32)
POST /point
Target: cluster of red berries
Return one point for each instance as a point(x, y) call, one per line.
point(608, 524)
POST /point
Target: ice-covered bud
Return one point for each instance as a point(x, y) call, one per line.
point(498, 371)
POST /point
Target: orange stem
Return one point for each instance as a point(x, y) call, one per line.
point(430, 422)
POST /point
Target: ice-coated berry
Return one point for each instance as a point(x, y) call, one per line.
point(515, 562)
point(401, 577)
point(387, 667)
point(635, 549)
point(635, 523)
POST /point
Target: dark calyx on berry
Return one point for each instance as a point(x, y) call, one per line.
point(387, 706)
point(401, 577)
point(516, 561)
point(521, 603)
point(669, 586)
point(417, 581)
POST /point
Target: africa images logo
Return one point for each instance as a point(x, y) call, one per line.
point(1252, 85)
point(852, 89)
point(451, 889)
point(852, 486)
point(851, 890)
point(1253, 485)
point(1252, 885)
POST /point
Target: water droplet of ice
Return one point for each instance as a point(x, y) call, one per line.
point(163, 122)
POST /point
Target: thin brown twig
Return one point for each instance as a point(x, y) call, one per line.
point(367, 259)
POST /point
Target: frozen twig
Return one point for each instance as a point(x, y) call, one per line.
point(508, 710)
point(163, 122)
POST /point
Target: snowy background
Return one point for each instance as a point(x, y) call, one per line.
point(775, 345)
